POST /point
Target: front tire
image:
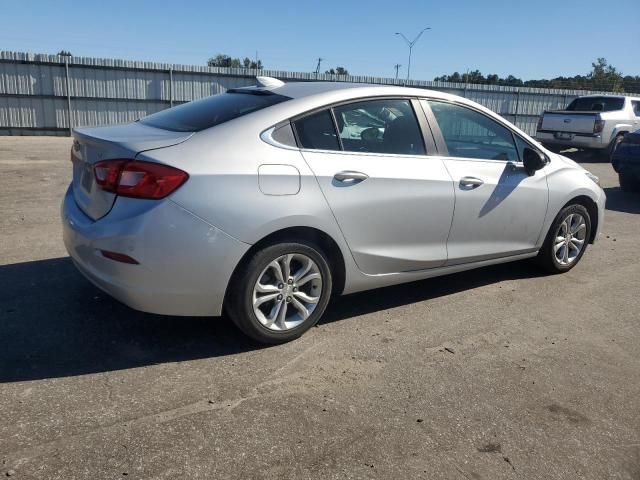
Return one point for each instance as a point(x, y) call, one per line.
point(281, 292)
point(566, 240)
point(614, 145)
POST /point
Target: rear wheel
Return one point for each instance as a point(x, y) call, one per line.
point(281, 292)
point(629, 183)
point(566, 240)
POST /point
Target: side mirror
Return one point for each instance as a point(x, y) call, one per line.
point(533, 160)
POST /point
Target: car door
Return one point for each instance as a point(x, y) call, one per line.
point(393, 203)
point(499, 207)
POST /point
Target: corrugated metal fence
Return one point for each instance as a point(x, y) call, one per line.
point(39, 94)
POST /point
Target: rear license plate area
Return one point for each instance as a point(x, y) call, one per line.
point(564, 136)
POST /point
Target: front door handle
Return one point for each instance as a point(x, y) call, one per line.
point(350, 178)
point(470, 182)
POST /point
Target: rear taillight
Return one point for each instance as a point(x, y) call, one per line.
point(132, 178)
point(598, 126)
point(540, 122)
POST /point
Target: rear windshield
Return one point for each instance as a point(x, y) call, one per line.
point(596, 104)
point(212, 111)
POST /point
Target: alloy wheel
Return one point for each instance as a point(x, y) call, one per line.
point(570, 239)
point(287, 292)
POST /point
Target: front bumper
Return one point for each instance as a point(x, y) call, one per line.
point(594, 141)
point(184, 263)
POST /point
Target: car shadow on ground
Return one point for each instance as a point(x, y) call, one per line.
point(619, 201)
point(54, 323)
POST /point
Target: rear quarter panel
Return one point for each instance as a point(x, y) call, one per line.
point(224, 188)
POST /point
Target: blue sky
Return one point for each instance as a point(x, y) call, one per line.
point(560, 37)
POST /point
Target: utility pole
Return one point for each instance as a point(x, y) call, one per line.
point(318, 66)
point(410, 44)
point(397, 67)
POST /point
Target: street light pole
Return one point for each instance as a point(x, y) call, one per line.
point(410, 44)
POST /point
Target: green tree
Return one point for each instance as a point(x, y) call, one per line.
point(337, 71)
point(220, 60)
point(226, 61)
point(605, 77)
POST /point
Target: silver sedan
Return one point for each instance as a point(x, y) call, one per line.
point(265, 201)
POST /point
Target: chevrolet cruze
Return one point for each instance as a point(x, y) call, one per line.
point(267, 200)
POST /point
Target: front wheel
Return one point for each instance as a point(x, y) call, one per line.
point(281, 292)
point(566, 240)
point(614, 145)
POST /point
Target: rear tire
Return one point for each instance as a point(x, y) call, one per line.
point(280, 292)
point(566, 240)
point(629, 183)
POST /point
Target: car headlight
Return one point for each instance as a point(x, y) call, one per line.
point(593, 178)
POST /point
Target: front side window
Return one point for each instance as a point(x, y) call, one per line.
point(379, 126)
point(636, 107)
point(470, 134)
point(317, 132)
point(211, 111)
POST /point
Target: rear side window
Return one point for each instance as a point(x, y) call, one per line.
point(636, 107)
point(316, 131)
point(211, 111)
point(380, 126)
point(596, 104)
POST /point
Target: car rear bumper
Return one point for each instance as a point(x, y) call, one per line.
point(184, 263)
point(577, 141)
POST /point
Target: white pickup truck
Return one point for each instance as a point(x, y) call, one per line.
point(590, 122)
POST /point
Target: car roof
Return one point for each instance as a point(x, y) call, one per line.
point(302, 89)
point(607, 95)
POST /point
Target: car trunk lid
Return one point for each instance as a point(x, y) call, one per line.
point(91, 145)
point(573, 122)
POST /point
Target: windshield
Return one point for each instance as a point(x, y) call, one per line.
point(211, 111)
point(596, 104)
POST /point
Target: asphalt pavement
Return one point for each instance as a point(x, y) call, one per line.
point(501, 372)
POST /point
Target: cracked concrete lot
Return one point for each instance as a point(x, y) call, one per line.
point(497, 373)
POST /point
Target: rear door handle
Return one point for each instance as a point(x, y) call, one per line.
point(348, 177)
point(470, 182)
